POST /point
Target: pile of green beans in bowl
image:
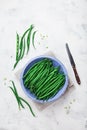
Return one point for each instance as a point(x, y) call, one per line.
point(43, 79)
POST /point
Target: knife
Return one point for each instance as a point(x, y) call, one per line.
point(73, 64)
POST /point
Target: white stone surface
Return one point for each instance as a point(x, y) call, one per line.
point(63, 21)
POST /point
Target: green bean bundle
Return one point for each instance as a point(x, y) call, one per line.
point(43, 79)
point(19, 99)
point(23, 43)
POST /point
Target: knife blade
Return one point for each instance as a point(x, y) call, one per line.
point(73, 64)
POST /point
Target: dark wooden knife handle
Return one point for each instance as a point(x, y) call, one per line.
point(76, 75)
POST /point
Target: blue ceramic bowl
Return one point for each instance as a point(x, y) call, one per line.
point(56, 63)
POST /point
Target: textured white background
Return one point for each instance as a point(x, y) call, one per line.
point(62, 21)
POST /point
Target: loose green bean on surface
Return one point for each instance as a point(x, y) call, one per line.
point(23, 43)
point(19, 99)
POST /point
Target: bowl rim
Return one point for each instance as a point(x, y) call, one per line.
point(61, 91)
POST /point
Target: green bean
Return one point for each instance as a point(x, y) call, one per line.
point(19, 56)
point(32, 82)
point(30, 70)
point(51, 95)
point(33, 74)
point(57, 90)
point(16, 93)
point(23, 49)
point(59, 86)
point(23, 37)
point(27, 105)
point(15, 96)
point(46, 88)
point(49, 88)
point(17, 46)
point(36, 72)
point(16, 64)
point(53, 90)
point(33, 37)
point(38, 76)
point(42, 87)
point(38, 85)
point(44, 96)
point(36, 65)
point(21, 44)
point(28, 37)
point(39, 71)
point(44, 74)
point(46, 81)
point(19, 99)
